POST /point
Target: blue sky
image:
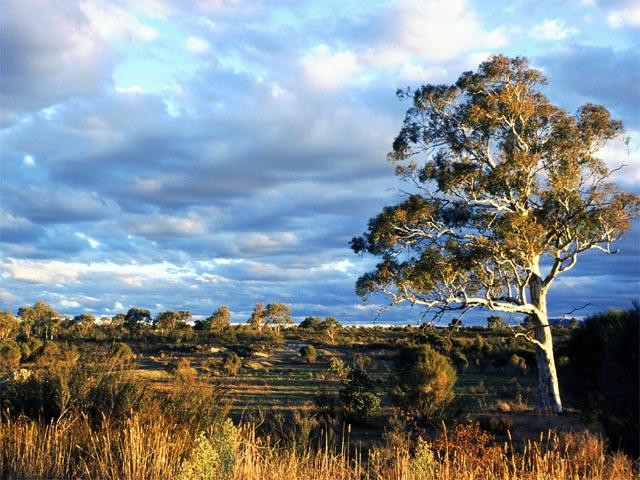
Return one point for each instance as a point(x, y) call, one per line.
point(190, 154)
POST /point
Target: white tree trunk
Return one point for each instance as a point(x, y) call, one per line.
point(548, 387)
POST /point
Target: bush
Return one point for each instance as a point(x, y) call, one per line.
point(358, 397)
point(621, 388)
point(214, 456)
point(518, 364)
point(308, 353)
point(9, 355)
point(232, 364)
point(424, 384)
point(602, 375)
point(460, 361)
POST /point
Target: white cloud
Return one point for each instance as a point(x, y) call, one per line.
point(113, 23)
point(625, 16)
point(277, 91)
point(328, 70)
point(168, 226)
point(28, 160)
point(197, 45)
point(59, 272)
point(441, 30)
point(552, 29)
point(93, 243)
point(133, 89)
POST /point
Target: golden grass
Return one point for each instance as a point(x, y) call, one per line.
point(156, 448)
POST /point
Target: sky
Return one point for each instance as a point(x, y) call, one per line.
point(189, 154)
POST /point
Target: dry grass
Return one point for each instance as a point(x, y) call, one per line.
point(156, 448)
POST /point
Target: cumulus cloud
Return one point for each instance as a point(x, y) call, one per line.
point(552, 29)
point(628, 15)
point(197, 45)
point(327, 69)
point(440, 30)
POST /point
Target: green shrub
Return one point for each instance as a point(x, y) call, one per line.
point(460, 361)
point(9, 355)
point(232, 364)
point(620, 373)
point(424, 383)
point(308, 353)
point(602, 375)
point(424, 463)
point(358, 397)
point(214, 456)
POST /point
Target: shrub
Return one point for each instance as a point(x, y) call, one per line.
point(308, 353)
point(232, 364)
point(9, 355)
point(460, 361)
point(518, 364)
point(621, 388)
point(358, 397)
point(603, 371)
point(214, 456)
point(424, 463)
point(425, 380)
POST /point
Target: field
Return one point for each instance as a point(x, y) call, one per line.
point(168, 395)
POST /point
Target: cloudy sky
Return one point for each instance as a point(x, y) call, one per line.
point(188, 154)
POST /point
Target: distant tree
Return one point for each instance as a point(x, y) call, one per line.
point(170, 320)
point(508, 192)
point(41, 319)
point(118, 319)
point(278, 314)
point(310, 323)
point(219, 319)
point(330, 326)
point(496, 322)
point(258, 317)
point(136, 317)
point(83, 323)
point(9, 355)
point(9, 326)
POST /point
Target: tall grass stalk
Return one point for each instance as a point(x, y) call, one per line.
point(157, 449)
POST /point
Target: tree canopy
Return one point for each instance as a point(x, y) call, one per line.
point(506, 191)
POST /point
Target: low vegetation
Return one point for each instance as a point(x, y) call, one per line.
point(164, 399)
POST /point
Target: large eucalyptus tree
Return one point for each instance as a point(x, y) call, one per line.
point(507, 192)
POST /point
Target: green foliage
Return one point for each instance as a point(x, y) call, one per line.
point(9, 355)
point(603, 371)
point(499, 178)
point(232, 364)
point(424, 463)
point(170, 320)
point(424, 383)
point(258, 316)
point(40, 319)
point(219, 319)
point(620, 383)
point(460, 361)
point(358, 397)
point(496, 322)
point(308, 353)
point(214, 456)
point(136, 318)
point(9, 326)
